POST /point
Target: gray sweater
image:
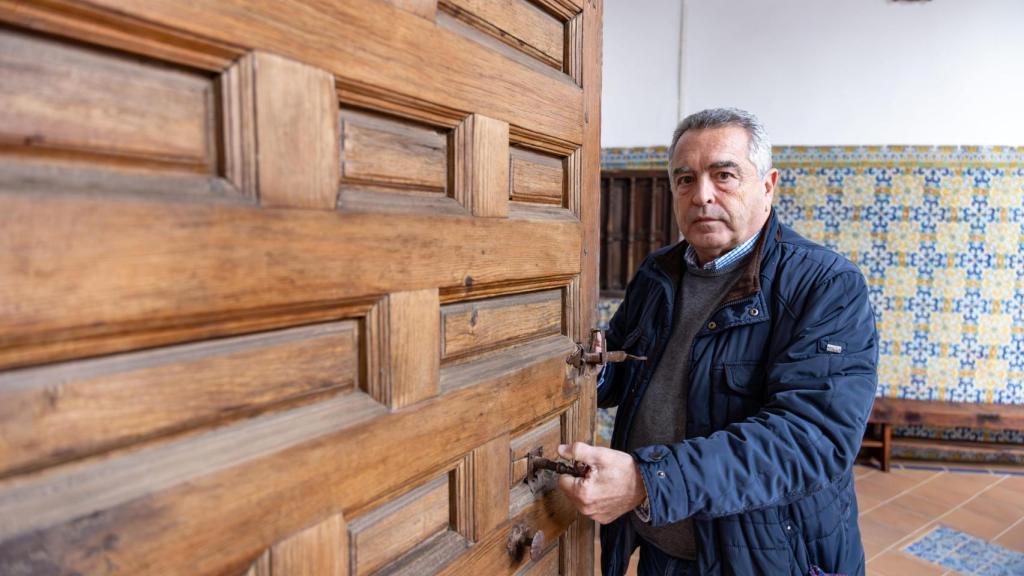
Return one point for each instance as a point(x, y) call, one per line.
point(661, 417)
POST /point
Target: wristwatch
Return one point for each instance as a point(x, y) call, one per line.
point(643, 511)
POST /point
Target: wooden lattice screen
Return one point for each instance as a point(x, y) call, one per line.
point(636, 219)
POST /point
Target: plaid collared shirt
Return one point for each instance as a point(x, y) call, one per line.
point(725, 261)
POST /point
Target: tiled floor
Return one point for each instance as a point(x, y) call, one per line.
point(907, 506)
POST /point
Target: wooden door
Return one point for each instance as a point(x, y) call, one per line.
point(287, 286)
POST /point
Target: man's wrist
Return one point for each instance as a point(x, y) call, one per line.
point(643, 510)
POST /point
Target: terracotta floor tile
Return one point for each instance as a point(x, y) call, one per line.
point(871, 547)
point(952, 489)
point(860, 470)
point(899, 563)
point(967, 482)
point(886, 485)
point(983, 467)
point(865, 503)
point(1015, 483)
point(926, 507)
point(1000, 504)
point(974, 523)
point(897, 518)
point(1013, 538)
point(916, 476)
point(875, 531)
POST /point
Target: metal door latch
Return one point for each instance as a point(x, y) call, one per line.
point(581, 357)
point(521, 538)
point(536, 463)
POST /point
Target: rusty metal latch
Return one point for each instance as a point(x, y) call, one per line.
point(581, 357)
point(521, 538)
point(536, 464)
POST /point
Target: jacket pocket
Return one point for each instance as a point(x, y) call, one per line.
point(738, 392)
point(817, 529)
point(754, 543)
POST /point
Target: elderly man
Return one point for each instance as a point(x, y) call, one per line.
point(734, 440)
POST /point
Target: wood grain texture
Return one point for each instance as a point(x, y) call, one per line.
point(590, 211)
point(296, 133)
point(364, 42)
point(269, 472)
point(56, 96)
point(546, 435)
point(385, 534)
point(151, 265)
point(66, 411)
point(518, 23)
point(413, 336)
point(490, 486)
point(113, 30)
point(321, 549)
point(385, 152)
point(553, 514)
point(239, 153)
point(489, 173)
point(260, 566)
point(546, 566)
point(135, 259)
point(422, 8)
point(482, 325)
point(903, 412)
point(537, 178)
point(429, 557)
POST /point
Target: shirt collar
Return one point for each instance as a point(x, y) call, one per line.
point(725, 261)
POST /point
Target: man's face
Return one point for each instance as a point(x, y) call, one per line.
point(719, 199)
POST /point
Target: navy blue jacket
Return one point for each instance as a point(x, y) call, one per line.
point(782, 378)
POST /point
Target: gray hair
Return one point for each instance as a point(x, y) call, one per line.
point(760, 147)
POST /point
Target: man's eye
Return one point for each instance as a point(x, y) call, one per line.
point(685, 180)
point(725, 175)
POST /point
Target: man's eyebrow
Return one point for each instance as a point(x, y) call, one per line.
point(681, 170)
point(725, 164)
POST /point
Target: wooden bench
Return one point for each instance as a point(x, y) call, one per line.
point(889, 412)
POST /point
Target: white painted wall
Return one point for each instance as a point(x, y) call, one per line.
point(640, 85)
point(822, 72)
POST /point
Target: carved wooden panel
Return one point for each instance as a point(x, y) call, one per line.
point(72, 409)
point(320, 549)
point(519, 23)
point(385, 534)
point(380, 151)
point(58, 100)
point(546, 437)
point(482, 325)
point(537, 178)
point(286, 284)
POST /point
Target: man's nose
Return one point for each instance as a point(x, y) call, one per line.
point(705, 192)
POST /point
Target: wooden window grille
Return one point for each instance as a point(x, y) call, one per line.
point(636, 219)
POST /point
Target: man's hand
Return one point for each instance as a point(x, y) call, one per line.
point(612, 486)
point(597, 344)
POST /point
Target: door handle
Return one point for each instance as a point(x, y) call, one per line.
point(521, 538)
point(536, 463)
point(581, 356)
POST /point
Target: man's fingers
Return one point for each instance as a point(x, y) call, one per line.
point(567, 484)
point(578, 451)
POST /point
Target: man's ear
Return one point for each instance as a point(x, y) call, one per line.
point(770, 180)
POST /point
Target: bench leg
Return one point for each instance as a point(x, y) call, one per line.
point(886, 446)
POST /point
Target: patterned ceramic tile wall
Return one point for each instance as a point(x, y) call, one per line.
point(939, 234)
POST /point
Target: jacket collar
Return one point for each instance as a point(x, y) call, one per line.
point(671, 261)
